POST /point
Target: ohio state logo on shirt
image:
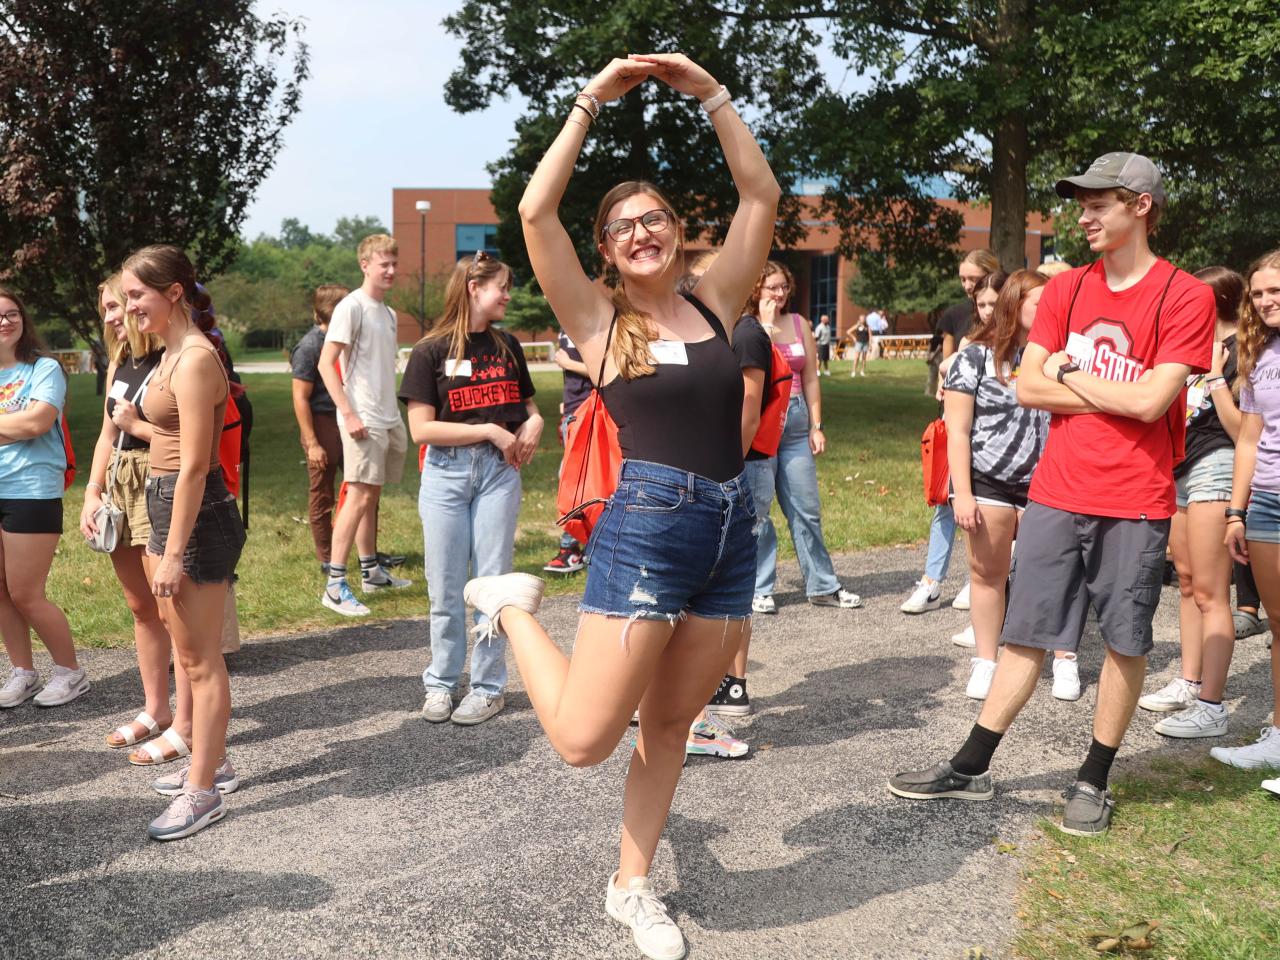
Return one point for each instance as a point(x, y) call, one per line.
point(1112, 355)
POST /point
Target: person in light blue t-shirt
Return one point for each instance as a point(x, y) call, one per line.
point(33, 463)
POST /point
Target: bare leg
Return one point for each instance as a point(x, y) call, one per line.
point(1017, 673)
point(1211, 589)
point(196, 621)
point(1118, 691)
point(358, 504)
point(1264, 558)
point(149, 633)
point(367, 529)
point(27, 558)
point(988, 574)
point(740, 658)
point(13, 629)
point(1190, 627)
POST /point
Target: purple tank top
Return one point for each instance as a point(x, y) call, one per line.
point(794, 352)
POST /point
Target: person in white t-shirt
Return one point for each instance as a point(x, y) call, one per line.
point(358, 366)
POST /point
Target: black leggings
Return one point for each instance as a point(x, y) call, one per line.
point(1246, 589)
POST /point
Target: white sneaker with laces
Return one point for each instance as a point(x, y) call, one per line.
point(763, 605)
point(63, 687)
point(490, 594)
point(961, 602)
point(980, 674)
point(1177, 694)
point(383, 580)
point(20, 687)
point(1066, 678)
point(1265, 752)
point(965, 638)
point(637, 905)
point(925, 596)
point(1198, 720)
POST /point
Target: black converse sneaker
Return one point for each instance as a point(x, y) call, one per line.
point(730, 699)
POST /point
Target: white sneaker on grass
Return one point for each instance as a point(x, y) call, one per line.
point(1066, 678)
point(965, 638)
point(1264, 752)
point(19, 688)
point(925, 596)
point(63, 687)
point(1177, 694)
point(1272, 785)
point(1198, 720)
point(341, 600)
point(980, 673)
point(637, 905)
point(961, 602)
point(382, 580)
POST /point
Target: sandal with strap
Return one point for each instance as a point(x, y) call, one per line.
point(125, 731)
point(151, 755)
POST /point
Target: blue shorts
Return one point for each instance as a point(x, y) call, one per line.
point(1262, 522)
point(671, 543)
point(1208, 479)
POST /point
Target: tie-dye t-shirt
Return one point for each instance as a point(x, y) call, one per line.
point(1006, 439)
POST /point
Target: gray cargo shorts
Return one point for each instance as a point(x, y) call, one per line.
point(1067, 561)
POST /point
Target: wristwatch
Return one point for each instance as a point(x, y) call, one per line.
point(1066, 368)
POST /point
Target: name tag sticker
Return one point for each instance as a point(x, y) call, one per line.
point(457, 368)
point(1079, 348)
point(669, 351)
point(118, 390)
point(797, 349)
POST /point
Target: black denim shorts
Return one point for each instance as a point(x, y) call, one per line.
point(217, 538)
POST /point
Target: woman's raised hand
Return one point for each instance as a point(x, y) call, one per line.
point(679, 72)
point(619, 78)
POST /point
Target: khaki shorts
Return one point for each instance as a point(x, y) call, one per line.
point(130, 495)
point(378, 459)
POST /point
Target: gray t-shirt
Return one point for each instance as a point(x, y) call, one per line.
point(368, 329)
point(305, 362)
point(1006, 439)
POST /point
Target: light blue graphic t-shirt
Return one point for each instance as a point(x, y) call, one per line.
point(32, 469)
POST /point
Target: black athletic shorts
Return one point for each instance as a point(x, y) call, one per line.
point(998, 493)
point(213, 549)
point(31, 516)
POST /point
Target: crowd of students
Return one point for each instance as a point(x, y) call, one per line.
point(1093, 418)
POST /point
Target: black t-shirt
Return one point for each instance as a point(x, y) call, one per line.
point(484, 387)
point(754, 350)
point(956, 320)
point(862, 333)
point(576, 387)
point(132, 375)
point(305, 363)
point(1205, 432)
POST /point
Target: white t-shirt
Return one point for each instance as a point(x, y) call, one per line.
point(367, 328)
point(876, 322)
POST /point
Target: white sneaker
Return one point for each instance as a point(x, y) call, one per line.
point(1198, 720)
point(925, 596)
point(490, 594)
point(652, 928)
point(1272, 785)
point(383, 580)
point(961, 602)
point(20, 687)
point(63, 687)
point(1177, 694)
point(1265, 752)
point(437, 705)
point(980, 674)
point(763, 605)
point(1066, 678)
point(965, 638)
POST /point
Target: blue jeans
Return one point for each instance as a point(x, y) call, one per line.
point(793, 476)
point(469, 501)
point(942, 534)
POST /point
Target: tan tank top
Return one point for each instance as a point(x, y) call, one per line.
point(160, 405)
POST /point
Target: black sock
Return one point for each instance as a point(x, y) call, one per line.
point(1097, 765)
point(975, 756)
point(1212, 703)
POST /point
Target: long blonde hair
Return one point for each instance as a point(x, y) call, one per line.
point(455, 323)
point(135, 344)
point(633, 328)
point(1252, 335)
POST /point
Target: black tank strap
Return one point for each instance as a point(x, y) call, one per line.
point(716, 326)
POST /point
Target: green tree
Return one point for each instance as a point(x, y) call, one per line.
point(127, 122)
point(349, 231)
point(920, 289)
point(529, 310)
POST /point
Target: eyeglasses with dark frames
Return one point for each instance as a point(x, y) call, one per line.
point(655, 221)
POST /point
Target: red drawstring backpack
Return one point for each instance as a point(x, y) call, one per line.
point(933, 458)
point(229, 446)
point(777, 394)
point(592, 462)
point(69, 474)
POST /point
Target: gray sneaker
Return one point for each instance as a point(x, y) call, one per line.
point(190, 812)
point(63, 687)
point(437, 705)
point(1088, 810)
point(224, 780)
point(941, 781)
point(477, 707)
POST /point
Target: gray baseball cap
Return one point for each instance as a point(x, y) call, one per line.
point(1132, 171)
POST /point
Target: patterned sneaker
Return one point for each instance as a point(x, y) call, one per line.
point(1088, 810)
point(1265, 752)
point(1198, 720)
point(224, 780)
point(925, 596)
point(1066, 678)
point(378, 579)
point(637, 905)
point(1177, 694)
point(63, 687)
point(342, 600)
point(477, 707)
point(437, 705)
point(842, 599)
point(20, 687)
point(568, 560)
point(190, 812)
point(730, 699)
point(712, 737)
point(980, 673)
point(763, 605)
point(941, 781)
point(961, 602)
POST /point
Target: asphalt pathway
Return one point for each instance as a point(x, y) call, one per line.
point(362, 831)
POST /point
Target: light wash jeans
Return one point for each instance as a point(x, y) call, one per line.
point(942, 535)
point(793, 475)
point(469, 501)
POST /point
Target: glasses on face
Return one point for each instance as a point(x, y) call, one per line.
point(655, 221)
point(776, 288)
point(13, 317)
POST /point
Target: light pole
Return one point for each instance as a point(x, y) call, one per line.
point(422, 206)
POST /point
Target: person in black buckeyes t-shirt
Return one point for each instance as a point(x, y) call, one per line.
point(470, 399)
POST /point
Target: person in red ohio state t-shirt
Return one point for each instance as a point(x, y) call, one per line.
point(1108, 356)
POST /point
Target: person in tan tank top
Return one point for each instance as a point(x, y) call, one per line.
point(196, 532)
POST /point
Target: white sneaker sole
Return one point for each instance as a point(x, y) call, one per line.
point(78, 691)
point(730, 710)
point(208, 820)
point(337, 607)
point(1067, 696)
point(1191, 733)
point(651, 954)
point(1162, 706)
point(379, 587)
point(929, 605)
point(27, 694)
point(476, 718)
point(1222, 755)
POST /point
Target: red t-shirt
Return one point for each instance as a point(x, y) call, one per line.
point(1102, 464)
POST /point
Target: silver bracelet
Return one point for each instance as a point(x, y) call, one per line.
point(716, 100)
point(594, 109)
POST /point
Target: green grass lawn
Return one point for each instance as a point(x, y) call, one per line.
point(870, 480)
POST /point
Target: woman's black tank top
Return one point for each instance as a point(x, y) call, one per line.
point(685, 415)
point(132, 377)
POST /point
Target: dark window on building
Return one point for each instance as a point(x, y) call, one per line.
point(470, 237)
point(824, 286)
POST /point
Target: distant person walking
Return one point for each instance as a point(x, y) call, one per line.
point(822, 336)
point(577, 387)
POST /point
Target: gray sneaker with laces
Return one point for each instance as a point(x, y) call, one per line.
point(637, 905)
point(477, 707)
point(437, 705)
point(1088, 810)
point(224, 780)
point(190, 812)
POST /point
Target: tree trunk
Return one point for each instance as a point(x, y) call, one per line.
point(1009, 140)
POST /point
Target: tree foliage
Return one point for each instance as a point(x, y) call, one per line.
point(127, 122)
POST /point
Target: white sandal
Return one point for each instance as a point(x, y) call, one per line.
point(156, 754)
point(126, 731)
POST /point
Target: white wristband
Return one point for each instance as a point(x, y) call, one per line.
point(716, 101)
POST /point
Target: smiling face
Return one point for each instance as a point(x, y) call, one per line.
point(1027, 313)
point(380, 270)
point(112, 313)
point(1107, 221)
point(153, 309)
point(986, 303)
point(776, 289)
point(650, 251)
point(10, 323)
point(1264, 293)
point(489, 298)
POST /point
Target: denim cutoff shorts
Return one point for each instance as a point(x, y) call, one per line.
point(213, 549)
point(1262, 522)
point(1209, 478)
point(671, 543)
